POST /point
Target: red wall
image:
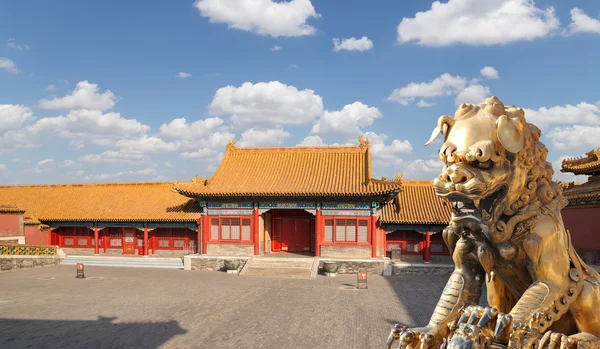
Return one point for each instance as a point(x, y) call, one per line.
point(35, 236)
point(582, 222)
point(9, 224)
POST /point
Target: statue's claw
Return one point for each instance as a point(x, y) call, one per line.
point(415, 338)
point(553, 340)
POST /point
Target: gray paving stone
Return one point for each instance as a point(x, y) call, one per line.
point(164, 308)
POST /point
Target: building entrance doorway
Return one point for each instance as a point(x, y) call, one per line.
point(292, 233)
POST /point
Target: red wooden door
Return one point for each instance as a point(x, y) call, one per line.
point(129, 241)
point(288, 230)
point(302, 235)
point(276, 239)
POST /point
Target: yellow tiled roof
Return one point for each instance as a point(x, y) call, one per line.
point(293, 171)
point(418, 204)
point(101, 202)
point(584, 193)
point(589, 164)
point(11, 209)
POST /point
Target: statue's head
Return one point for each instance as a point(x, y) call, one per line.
point(495, 165)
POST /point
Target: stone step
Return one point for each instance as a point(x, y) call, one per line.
point(279, 272)
point(173, 263)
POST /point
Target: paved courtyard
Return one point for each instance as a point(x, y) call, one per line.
point(160, 308)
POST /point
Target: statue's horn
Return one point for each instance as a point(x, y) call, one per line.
point(444, 124)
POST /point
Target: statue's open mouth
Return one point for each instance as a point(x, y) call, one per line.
point(468, 206)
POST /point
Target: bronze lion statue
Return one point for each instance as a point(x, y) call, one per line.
point(506, 231)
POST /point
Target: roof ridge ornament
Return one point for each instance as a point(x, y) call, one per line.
point(363, 142)
point(231, 146)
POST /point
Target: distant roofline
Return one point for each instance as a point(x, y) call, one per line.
point(109, 184)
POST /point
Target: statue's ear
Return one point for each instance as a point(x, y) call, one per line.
point(510, 133)
point(444, 125)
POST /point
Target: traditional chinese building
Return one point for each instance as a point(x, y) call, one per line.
point(113, 218)
point(580, 216)
point(414, 222)
point(319, 201)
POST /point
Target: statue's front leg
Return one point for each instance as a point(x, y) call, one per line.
point(462, 289)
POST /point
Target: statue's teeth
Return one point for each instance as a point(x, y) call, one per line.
point(476, 202)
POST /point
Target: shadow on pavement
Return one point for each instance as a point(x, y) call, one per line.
point(101, 333)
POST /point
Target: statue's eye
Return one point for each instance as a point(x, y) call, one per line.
point(484, 165)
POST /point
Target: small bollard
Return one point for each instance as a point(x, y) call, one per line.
point(361, 278)
point(80, 274)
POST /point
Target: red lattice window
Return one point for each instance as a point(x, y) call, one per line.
point(230, 229)
point(346, 230)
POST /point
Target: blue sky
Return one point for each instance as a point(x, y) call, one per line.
point(97, 91)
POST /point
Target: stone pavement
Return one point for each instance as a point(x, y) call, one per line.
point(164, 308)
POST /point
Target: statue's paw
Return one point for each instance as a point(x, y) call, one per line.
point(481, 317)
point(414, 338)
point(554, 340)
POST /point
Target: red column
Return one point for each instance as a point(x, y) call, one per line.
point(145, 241)
point(255, 231)
point(206, 230)
point(199, 240)
point(318, 233)
point(427, 244)
point(374, 236)
point(96, 247)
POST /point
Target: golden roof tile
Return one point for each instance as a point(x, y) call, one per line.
point(101, 202)
point(590, 164)
point(11, 209)
point(585, 193)
point(291, 171)
point(416, 204)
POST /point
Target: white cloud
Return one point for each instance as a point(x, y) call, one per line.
point(293, 66)
point(264, 17)
point(582, 113)
point(387, 155)
point(183, 75)
point(312, 141)
point(348, 121)
point(202, 153)
point(45, 162)
point(489, 72)
point(8, 65)
point(76, 144)
point(84, 96)
point(419, 166)
point(168, 164)
point(425, 104)
point(444, 85)
point(476, 22)
point(582, 23)
point(181, 129)
point(473, 94)
point(352, 44)
point(12, 43)
point(14, 116)
point(114, 157)
point(118, 176)
point(50, 88)
point(145, 145)
point(267, 104)
point(577, 136)
point(258, 137)
point(97, 177)
point(275, 48)
point(90, 125)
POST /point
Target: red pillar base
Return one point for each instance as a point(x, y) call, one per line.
point(96, 242)
point(145, 241)
point(427, 245)
point(318, 233)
